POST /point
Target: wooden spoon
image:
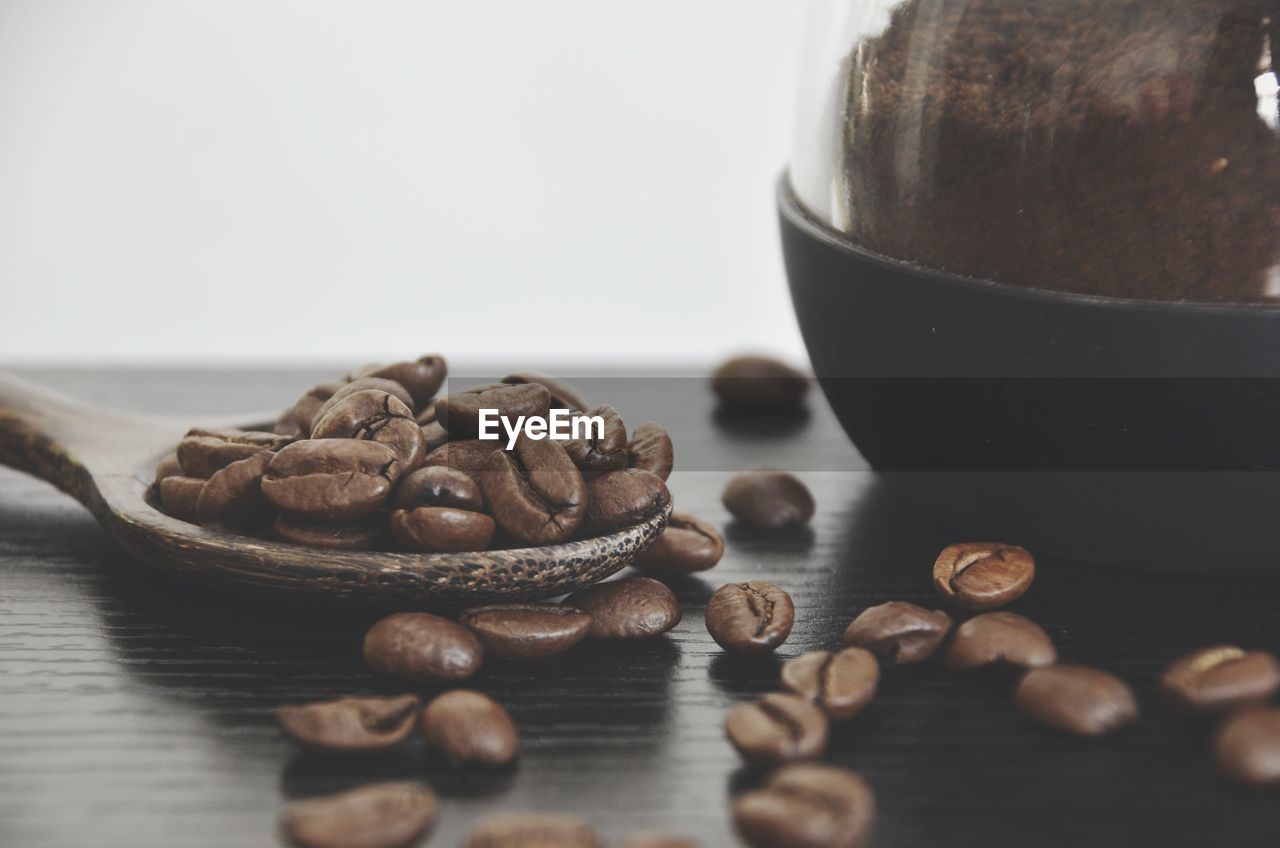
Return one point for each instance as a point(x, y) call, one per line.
point(106, 459)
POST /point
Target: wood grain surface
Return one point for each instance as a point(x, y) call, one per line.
point(136, 710)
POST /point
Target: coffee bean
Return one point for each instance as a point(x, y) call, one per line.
point(563, 395)
point(1247, 747)
point(656, 839)
point(331, 479)
point(898, 633)
point(750, 618)
point(608, 452)
point(364, 384)
point(438, 485)
point(286, 424)
point(422, 647)
point(308, 406)
point(375, 416)
point(633, 608)
point(169, 467)
point(651, 450)
point(232, 498)
point(769, 500)
point(983, 575)
point(623, 498)
point(180, 497)
point(526, 631)
point(533, 830)
point(351, 724)
point(1076, 699)
point(363, 534)
point(434, 436)
point(807, 805)
point(1000, 638)
point(439, 529)
point(459, 413)
point(427, 415)
point(758, 382)
point(688, 544)
point(535, 493)
point(203, 452)
point(841, 683)
point(467, 456)
point(1222, 678)
point(777, 729)
point(422, 378)
point(383, 815)
point(468, 728)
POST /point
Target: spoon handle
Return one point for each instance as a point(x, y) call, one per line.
point(39, 431)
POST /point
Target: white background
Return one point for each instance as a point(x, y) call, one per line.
point(554, 181)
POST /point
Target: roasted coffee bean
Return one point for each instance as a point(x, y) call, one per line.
point(623, 498)
point(758, 382)
point(459, 413)
point(1222, 678)
point(438, 485)
point(441, 529)
point(468, 728)
point(750, 618)
point(807, 805)
point(422, 378)
point(535, 493)
point(180, 497)
point(1076, 699)
point(467, 456)
point(634, 608)
point(382, 815)
point(286, 424)
point(606, 452)
point(526, 631)
point(563, 395)
point(983, 575)
point(688, 544)
point(841, 683)
point(375, 416)
point(422, 647)
point(434, 436)
point(351, 724)
point(364, 534)
point(657, 839)
point(651, 450)
point(331, 479)
point(203, 452)
point(427, 415)
point(1247, 747)
point(364, 384)
point(169, 467)
point(1000, 638)
point(779, 728)
point(232, 498)
point(308, 406)
point(898, 633)
point(533, 830)
point(770, 500)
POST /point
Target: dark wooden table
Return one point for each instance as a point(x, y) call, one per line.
point(138, 711)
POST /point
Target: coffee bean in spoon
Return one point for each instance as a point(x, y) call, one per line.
point(351, 724)
point(459, 413)
point(331, 479)
point(180, 497)
point(232, 498)
point(563, 394)
point(778, 728)
point(983, 575)
point(470, 728)
point(467, 456)
point(363, 534)
point(758, 383)
point(807, 805)
point(623, 498)
point(1076, 699)
point(535, 493)
point(1000, 639)
point(1221, 678)
point(526, 631)
point(169, 467)
point(203, 452)
point(651, 450)
point(308, 406)
point(769, 500)
point(422, 377)
point(605, 449)
point(440, 529)
point(381, 815)
point(751, 618)
point(533, 830)
point(375, 416)
point(421, 647)
point(1246, 748)
point(687, 545)
point(842, 683)
point(899, 633)
point(632, 608)
point(364, 384)
point(438, 485)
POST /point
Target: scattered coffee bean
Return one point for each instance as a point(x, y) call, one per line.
point(363, 534)
point(769, 500)
point(776, 729)
point(634, 608)
point(807, 805)
point(364, 384)
point(651, 450)
point(758, 382)
point(841, 683)
point(180, 495)
point(376, 417)
point(533, 830)
point(1076, 699)
point(169, 467)
point(308, 406)
point(535, 492)
point(422, 378)
point(201, 452)
point(1000, 638)
point(459, 413)
point(608, 452)
point(750, 618)
point(232, 498)
point(331, 479)
point(1247, 747)
point(467, 456)
point(899, 633)
point(688, 544)
point(468, 728)
point(383, 815)
point(440, 529)
point(526, 631)
point(563, 395)
point(1222, 678)
point(419, 646)
point(351, 724)
point(656, 839)
point(983, 575)
point(622, 498)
